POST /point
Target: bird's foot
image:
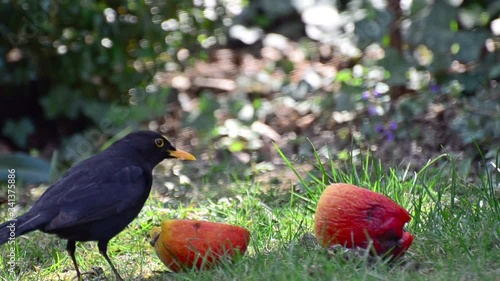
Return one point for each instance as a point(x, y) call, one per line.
point(95, 274)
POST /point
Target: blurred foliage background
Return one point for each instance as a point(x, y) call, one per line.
point(406, 79)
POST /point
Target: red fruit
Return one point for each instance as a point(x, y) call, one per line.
point(184, 244)
point(352, 216)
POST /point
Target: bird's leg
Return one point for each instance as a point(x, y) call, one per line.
point(103, 249)
point(71, 247)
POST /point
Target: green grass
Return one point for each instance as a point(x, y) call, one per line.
point(455, 221)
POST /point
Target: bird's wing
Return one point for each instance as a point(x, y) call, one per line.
point(94, 198)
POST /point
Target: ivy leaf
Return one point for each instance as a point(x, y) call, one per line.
point(18, 131)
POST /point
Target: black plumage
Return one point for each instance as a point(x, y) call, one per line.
point(98, 197)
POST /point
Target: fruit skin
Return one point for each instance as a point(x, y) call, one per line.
point(352, 216)
point(184, 244)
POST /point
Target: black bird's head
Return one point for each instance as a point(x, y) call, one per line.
point(153, 147)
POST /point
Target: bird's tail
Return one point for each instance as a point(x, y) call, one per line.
point(14, 228)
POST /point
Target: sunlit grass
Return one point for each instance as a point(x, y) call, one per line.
point(455, 222)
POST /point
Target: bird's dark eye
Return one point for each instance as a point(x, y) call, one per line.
point(159, 142)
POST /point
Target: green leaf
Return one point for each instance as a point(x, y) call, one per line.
point(397, 65)
point(62, 101)
point(237, 146)
point(344, 75)
point(18, 131)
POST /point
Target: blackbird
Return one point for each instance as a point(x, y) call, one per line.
point(98, 197)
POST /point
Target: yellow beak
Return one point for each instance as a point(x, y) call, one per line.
point(181, 155)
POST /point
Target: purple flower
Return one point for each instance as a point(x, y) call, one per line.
point(393, 126)
point(377, 93)
point(365, 95)
point(435, 88)
point(389, 136)
point(387, 130)
point(379, 128)
point(372, 110)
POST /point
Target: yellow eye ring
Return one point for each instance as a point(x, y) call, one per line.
point(159, 142)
